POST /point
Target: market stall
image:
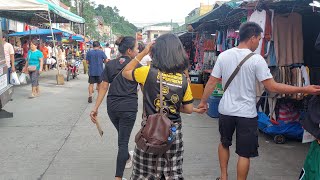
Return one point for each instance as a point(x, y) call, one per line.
point(288, 46)
point(37, 12)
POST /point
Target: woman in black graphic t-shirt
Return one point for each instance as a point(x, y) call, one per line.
point(169, 58)
point(122, 100)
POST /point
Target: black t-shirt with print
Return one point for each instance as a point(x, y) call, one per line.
point(176, 91)
point(122, 94)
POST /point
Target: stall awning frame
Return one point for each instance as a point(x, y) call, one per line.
point(62, 12)
point(35, 12)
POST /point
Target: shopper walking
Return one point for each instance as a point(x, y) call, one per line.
point(122, 100)
point(169, 62)
point(34, 66)
point(45, 53)
point(107, 50)
point(95, 59)
point(146, 60)
point(61, 57)
point(9, 56)
point(25, 48)
point(237, 106)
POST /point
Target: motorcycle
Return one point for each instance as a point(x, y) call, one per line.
point(19, 62)
point(73, 65)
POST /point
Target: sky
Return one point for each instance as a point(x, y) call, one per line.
point(146, 12)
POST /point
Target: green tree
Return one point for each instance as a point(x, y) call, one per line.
point(110, 17)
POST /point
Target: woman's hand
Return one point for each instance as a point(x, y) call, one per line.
point(199, 110)
point(318, 141)
point(148, 48)
point(25, 70)
point(93, 116)
point(189, 80)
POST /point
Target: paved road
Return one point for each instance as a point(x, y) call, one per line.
point(51, 137)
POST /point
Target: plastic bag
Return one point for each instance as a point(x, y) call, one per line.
point(14, 79)
point(52, 61)
point(311, 168)
point(48, 61)
point(23, 78)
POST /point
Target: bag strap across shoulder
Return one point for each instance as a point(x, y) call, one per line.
point(161, 94)
point(235, 72)
point(144, 115)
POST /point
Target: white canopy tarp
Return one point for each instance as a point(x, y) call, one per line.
point(23, 5)
point(36, 11)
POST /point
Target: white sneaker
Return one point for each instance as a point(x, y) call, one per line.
point(129, 162)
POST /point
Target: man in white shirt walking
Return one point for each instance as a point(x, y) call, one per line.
point(9, 56)
point(237, 107)
point(107, 51)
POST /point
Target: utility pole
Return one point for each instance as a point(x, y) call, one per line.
point(78, 6)
point(81, 15)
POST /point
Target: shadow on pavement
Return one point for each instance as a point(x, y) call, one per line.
point(5, 114)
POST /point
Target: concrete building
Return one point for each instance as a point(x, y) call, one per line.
point(152, 32)
point(196, 14)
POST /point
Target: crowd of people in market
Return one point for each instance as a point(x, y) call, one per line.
point(160, 69)
point(166, 90)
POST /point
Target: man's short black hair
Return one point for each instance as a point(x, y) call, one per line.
point(107, 44)
point(248, 30)
point(96, 44)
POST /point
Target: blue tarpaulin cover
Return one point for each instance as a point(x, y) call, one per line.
point(39, 32)
point(288, 129)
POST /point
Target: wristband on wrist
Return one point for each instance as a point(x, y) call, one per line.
point(136, 59)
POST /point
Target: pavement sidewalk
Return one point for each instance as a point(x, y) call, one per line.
point(51, 137)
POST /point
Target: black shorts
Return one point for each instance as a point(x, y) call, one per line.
point(246, 134)
point(94, 79)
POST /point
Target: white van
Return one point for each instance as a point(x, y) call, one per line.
point(6, 89)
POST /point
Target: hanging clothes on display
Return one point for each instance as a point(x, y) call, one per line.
point(270, 52)
point(266, 40)
point(288, 39)
point(259, 17)
point(305, 75)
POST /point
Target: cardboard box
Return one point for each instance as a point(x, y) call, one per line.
point(60, 79)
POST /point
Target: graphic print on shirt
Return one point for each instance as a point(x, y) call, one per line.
point(122, 60)
point(165, 90)
point(174, 80)
point(171, 79)
point(176, 91)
